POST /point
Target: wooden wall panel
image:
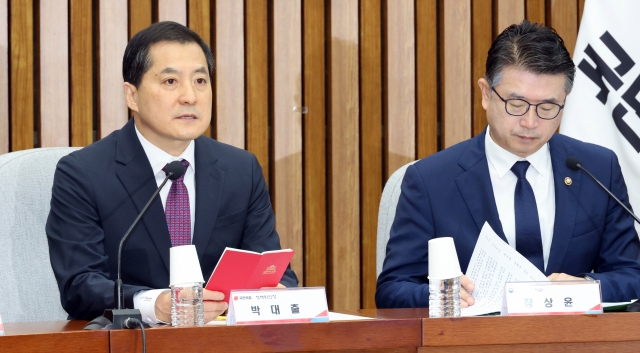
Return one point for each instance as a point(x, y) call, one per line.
point(81, 66)
point(371, 170)
point(287, 126)
point(314, 146)
point(257, 80)
point(427, 103)
point(456, 93)
point(230, 88)
point(199, 20)
point(400, 92)
point(508, 12)
point(173, 10)
point(113, 41)
point(344, 228)
point(482, 39)
point(535, 11)
point(140, 16)
point(54, 73)
point(4, 77)
point(564, 18)
point(22, 98)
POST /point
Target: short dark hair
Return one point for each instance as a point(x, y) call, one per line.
point(136, 61)
point(531, 47)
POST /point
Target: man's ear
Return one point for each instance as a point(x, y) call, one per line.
point(131, 96)
point(486, 92)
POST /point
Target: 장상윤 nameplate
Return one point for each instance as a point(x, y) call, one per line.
point(277, 306)
point(552, 298)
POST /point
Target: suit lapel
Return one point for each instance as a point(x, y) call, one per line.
point(475, 186)
point(137, 178)
point(567, 197)
point(209, 183)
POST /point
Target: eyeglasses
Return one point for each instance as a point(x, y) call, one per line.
point(520, 107)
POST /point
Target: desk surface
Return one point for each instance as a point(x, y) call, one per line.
point(394, 330)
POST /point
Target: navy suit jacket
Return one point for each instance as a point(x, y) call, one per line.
point(99, 190)
point(450, 194)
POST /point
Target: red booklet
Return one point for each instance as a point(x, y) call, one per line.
point(242, 269)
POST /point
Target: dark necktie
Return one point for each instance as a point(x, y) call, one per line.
point(528, 238)
point(177, 211)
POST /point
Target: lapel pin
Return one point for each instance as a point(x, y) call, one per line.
point(568, 181)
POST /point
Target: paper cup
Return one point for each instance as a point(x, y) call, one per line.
point(184, 265)
point(443, 259)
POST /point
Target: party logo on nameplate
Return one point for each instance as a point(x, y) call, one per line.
point(552, 298)
point(277, 306)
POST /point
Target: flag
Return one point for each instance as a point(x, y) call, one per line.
point(603, 107)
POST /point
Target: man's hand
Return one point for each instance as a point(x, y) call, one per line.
point(213, 305)
point(465, 292)
point(564, 277)
point(280, 285)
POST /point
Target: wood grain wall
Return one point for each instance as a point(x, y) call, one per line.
point(332, 96)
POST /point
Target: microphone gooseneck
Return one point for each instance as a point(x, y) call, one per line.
point(573, 163)
point(173, 171)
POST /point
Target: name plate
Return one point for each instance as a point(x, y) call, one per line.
point(277, 306)
point(1, 327)
point(552, 298)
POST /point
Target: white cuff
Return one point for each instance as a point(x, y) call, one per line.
point(145, 301)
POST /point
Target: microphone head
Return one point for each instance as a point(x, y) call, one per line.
point(573, 163)
point(174, 170)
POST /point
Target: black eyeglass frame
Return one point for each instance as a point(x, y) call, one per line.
point(506, 101)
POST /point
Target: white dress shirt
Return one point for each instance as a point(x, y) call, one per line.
point(145, 301)
point(503, 181)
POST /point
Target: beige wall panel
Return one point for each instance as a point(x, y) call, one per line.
point(564, 18)
point(54, 73)
point(456, 94)
point(230, 105)
point(113, 41)
point(315, 147)
point(173, 10)
point(4, 77)
point(287, 126)
point(508, 12)
point(344, 232)
point(401, 84)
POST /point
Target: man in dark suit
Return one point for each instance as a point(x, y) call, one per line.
point(514, 177)
point(98, 191)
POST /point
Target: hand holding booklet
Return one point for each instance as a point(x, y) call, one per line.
point(242, 269)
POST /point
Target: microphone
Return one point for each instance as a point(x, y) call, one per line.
point(573, 163)
point(119, 317)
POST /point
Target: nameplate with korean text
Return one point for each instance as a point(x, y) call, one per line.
point(277, 306)
point(552, 298)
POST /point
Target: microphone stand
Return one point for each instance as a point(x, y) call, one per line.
point(120, 317)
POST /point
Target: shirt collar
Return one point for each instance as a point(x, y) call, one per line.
point(159, 158)
point(502, 160)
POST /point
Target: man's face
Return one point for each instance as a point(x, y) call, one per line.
point(522, 135)
point(172, 104)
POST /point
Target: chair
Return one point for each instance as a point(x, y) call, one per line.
point(387, 213)
point(28, 286)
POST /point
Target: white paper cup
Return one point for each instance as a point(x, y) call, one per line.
point(184, 265)
point(443, 259)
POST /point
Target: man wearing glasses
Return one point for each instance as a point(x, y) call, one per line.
point(514, 177)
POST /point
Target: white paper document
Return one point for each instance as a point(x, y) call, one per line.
point(494, 263)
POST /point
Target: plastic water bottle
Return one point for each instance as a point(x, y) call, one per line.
point(444, 297)
point(187, 308)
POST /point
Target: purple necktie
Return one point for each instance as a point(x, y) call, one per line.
point(177, 211)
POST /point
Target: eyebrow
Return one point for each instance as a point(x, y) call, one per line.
point(548, 100)
point(171, 70)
